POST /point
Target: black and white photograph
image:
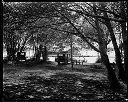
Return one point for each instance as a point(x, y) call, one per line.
point(65, 51)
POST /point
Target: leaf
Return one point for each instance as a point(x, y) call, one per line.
point(46, 96)
point(30, 96)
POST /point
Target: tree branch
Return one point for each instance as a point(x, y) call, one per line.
point(96, 16)
point(81, 35)
point(90, 23)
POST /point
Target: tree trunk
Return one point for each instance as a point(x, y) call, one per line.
point(126, 59)
point(24, 43)
point(45, 54)
point(102, 43)
point(111, 74)
point(125, 48)
point(117, 51)
point(104, 57)
point(37, 55)
point(11, 48)
point(125, 39)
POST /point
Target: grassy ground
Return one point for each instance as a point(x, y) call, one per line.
point(53, 82)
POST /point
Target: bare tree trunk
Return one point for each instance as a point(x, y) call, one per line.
point(11, 47)
point(102, 43)
point(45, 54)
point(37, 54)
point(117, 51)
point(104, 57)
point(24, 43)
point(126, 59)
point(125, 39)
point(125, 48)
point(111, 74)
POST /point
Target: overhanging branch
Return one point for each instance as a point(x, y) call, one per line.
point(96, 16)
point(81, 35)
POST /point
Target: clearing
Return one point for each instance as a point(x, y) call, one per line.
point(53, 82)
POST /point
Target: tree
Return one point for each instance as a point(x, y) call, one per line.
point(123, 13)
point(18, 17)
point(111, 74)
point(65, 17)
point(104, 18)
point(117, 51)
point(11, 24)
point(103, 48)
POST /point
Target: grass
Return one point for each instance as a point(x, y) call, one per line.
point(51, 82)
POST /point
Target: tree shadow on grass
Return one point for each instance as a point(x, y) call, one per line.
point(61, 86)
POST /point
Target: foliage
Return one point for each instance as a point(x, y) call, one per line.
point(51, 23)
